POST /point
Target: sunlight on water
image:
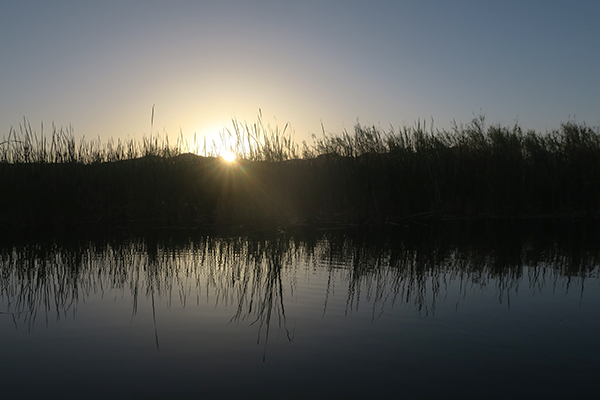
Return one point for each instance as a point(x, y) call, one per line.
point(328, 315)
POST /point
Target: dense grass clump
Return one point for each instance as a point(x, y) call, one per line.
point(25, 146)
point(368, 176)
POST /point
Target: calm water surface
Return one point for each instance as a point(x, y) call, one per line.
point(320, 315)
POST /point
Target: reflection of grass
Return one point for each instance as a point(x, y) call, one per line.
point(260, 291)
point(369, 176)
point(255, 277)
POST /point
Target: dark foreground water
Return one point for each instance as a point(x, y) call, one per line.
point(429, 313)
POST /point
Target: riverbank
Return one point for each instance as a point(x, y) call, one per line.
point(369, 178)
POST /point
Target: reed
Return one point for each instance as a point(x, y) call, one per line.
point(368, 176)
point(25, 146)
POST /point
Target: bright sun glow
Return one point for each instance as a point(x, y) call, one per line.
point(228, 156)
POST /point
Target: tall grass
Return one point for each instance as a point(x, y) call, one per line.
point(259, 142)
point(24, 146)
point(254, 142)
point(367, 176)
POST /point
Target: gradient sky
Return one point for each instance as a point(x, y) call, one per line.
point(99, 66)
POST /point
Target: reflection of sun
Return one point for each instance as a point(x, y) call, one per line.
point(228, 156)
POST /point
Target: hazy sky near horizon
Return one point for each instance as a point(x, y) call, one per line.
point(100, 66)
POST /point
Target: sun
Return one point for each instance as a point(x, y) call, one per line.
point(228, 156)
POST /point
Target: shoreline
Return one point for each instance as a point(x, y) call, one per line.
point(369, 178)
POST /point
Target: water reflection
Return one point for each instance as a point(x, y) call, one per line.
point(258, 275)
point(433, 312)
point(418, 273)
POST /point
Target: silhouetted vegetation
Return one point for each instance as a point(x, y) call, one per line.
point(365, 177)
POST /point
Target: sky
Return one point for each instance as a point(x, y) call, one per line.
point(100, 66)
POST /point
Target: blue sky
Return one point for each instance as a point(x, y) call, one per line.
point(99, 66)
